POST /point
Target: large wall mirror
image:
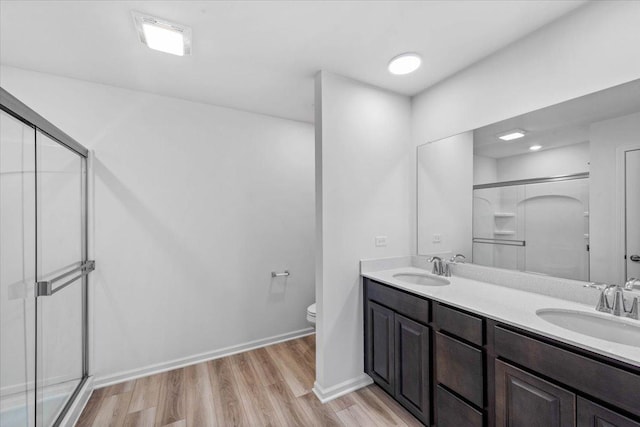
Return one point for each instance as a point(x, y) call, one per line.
point(555, 191)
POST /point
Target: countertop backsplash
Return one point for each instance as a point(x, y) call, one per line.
point(567, 289)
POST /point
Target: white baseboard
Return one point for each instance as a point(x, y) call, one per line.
point(107, 380)
point(74, 412)
point(21, 388)
point(327, 394)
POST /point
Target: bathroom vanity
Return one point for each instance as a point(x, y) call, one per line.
point(472, 353)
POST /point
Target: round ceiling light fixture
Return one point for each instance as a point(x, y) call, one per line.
point(404, 63)
point(535, 147)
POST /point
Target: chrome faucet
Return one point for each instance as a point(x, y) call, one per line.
point(443, 268)
point(446, 265)
point(438, 267)
point(618, 306)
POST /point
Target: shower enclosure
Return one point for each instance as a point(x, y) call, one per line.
point(44, 268)
point(538, 225)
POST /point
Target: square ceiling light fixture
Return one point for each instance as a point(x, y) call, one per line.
point(512, 134)
point(162, 35)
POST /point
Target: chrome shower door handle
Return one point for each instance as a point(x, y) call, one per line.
point(45, 288)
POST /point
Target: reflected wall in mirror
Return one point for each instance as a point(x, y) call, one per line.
point(555, 191)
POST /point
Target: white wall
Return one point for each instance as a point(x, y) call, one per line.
point(364, 161)
point(604, 223)
point(484, 170)
point(445, 189)
point(194, 206)
point(565, 160)
point(583, 52)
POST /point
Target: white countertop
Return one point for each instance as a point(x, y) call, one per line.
point(514, 307)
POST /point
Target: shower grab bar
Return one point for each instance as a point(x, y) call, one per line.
point(505, 242)
point(45, 288)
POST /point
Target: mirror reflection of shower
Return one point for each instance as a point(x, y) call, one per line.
point(538, 225)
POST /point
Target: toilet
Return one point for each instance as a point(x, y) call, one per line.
point(311, 314)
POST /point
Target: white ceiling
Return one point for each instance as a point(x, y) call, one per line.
point(261, 56)
point(559, 125)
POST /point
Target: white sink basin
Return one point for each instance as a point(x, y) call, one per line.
point(421, 279)
point(605, 327)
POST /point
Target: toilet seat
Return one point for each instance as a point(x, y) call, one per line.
point(311, 313)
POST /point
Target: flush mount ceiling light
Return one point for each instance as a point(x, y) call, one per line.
point(162, 35)
point(511, 135)
point(535, 147)
point(405, 63)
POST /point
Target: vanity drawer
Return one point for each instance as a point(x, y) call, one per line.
point(459, 367)
point(453, 412)
point(411, 306)
point(611, 384)
point(463, 325)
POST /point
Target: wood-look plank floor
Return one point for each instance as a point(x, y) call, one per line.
point(270, 386)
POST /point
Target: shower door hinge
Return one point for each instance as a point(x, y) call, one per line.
point(88, 266)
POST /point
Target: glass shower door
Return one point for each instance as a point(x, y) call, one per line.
point(61, 252)
point(43, 268)
point(17, 272)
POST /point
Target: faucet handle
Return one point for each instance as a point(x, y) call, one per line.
point(618, 308)
point(458, 257)
point(603, 302)
point(633, 313)
point(446, 269)
point(632, 283)
point(437, 265)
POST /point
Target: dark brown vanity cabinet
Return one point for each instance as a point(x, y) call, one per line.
point(525, 400)
point(380, 349)
point(459, 367)
point(397, 347)
point(553, 385)
point(452, 368)
point(412, 366)
point(593, 415)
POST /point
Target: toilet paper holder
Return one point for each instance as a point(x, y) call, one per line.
point(283, 274)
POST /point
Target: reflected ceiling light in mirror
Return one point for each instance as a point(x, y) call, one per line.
point(405, 63)
point(535, 147)
point(512, 134)
point(164, 36)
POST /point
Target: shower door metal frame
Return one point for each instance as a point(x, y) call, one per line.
point(555, 178)
point(17, 109)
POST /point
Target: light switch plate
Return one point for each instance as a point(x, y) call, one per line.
point(381, 241)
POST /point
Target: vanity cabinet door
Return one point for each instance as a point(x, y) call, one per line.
point(592, 415)
point(380, 357)
point(524, 400)
point(412, 366)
